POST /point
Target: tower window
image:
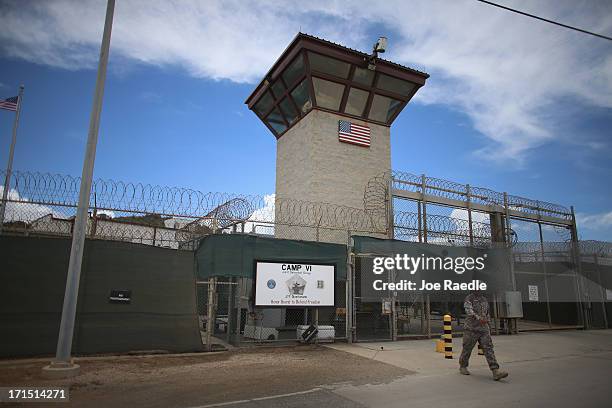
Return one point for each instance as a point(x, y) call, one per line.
point(356, 102)
point(289, 110)
point(395, 85)
point(383, 108)
point(264, 105)
point(294, 71)
point(301, 97)
point(276, 121)
point(328, 65)
point(328, 94)
point(363, 76)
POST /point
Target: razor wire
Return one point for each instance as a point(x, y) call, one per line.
point(376, 194)
point(441, 229)
point(45, 203)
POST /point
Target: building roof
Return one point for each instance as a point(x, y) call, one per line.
point(304, 36)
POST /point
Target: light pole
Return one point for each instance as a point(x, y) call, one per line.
point(62, 366)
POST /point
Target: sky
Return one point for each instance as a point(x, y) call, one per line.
point(512, 104)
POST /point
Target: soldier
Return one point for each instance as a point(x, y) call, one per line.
point(476, 329)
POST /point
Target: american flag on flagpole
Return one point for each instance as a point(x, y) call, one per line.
point(355, 134)
point(10, 103)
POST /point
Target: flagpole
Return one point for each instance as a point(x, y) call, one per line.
point(62, 366)
point(9, 166)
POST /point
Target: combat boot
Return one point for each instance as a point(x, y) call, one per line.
point(498, 375)
point(464, 371)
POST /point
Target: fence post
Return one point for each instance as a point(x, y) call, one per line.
point(420, 226)
point(602, 290)
point(427, 301)
point(230, 309)
point(349, 290)
point(508, 238)
point(316, 323)
point(545, 274)
point(424, 200)
point(575, 252)
point(210, 313)
point(469, 211)
point(390, 213)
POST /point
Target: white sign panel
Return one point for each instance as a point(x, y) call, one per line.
point(533, 293)
point(294, 284)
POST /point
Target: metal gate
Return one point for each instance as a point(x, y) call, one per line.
point(227, 316)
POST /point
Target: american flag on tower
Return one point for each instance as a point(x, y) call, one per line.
point(355, 134)
point(10, 103)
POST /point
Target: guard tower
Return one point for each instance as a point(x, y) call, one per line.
point(330, 109)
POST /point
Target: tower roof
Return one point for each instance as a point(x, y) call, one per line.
point(313, 73)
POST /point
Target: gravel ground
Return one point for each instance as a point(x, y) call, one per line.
point(183, 381)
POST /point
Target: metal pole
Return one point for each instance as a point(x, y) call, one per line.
point(9, 166)
point(469, 211)
point(349, 290)
point(316, 323)
point(419, 220)
point(424, 200)
point(508, 238)
point(545, 274)
point(230, 310)
point(390, 214)
point(427, 310)
point(575, 252)
point(211, 308)
point(602, 290)
point(64, 344)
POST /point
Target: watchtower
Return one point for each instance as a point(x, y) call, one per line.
point(330, 109)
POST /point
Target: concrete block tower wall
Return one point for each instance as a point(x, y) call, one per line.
point(313, 165)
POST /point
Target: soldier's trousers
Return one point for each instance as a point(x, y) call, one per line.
point(470, 338)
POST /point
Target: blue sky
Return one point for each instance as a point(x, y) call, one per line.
point(512, 104)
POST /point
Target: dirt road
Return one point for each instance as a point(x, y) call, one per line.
point(184, 381)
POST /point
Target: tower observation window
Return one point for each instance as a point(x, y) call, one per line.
point(276, 121)
point(294, 71)
point(278, 88)
point(363, 76)
point(331, 66)
point(301, 97)
point(328, 94)
point(264, 105)
point(289, 110)
point(356, 102)
point(383, 108)
point(395, 85)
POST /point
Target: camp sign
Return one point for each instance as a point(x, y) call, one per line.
point(294, 284)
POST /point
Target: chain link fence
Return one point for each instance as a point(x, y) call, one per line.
point(542, 237)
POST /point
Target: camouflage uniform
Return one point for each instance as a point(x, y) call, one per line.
point(477, 308)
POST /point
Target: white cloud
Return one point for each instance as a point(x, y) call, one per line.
point(24, 210)
point(461, 214)
point(262, 219)
point(594, 221)
point(510, 74)
point(108, 213)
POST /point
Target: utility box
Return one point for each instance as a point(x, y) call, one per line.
point(510, 305)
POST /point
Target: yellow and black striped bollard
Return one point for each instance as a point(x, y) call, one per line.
point(448, 337)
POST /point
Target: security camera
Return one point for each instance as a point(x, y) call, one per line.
point(381, 44)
